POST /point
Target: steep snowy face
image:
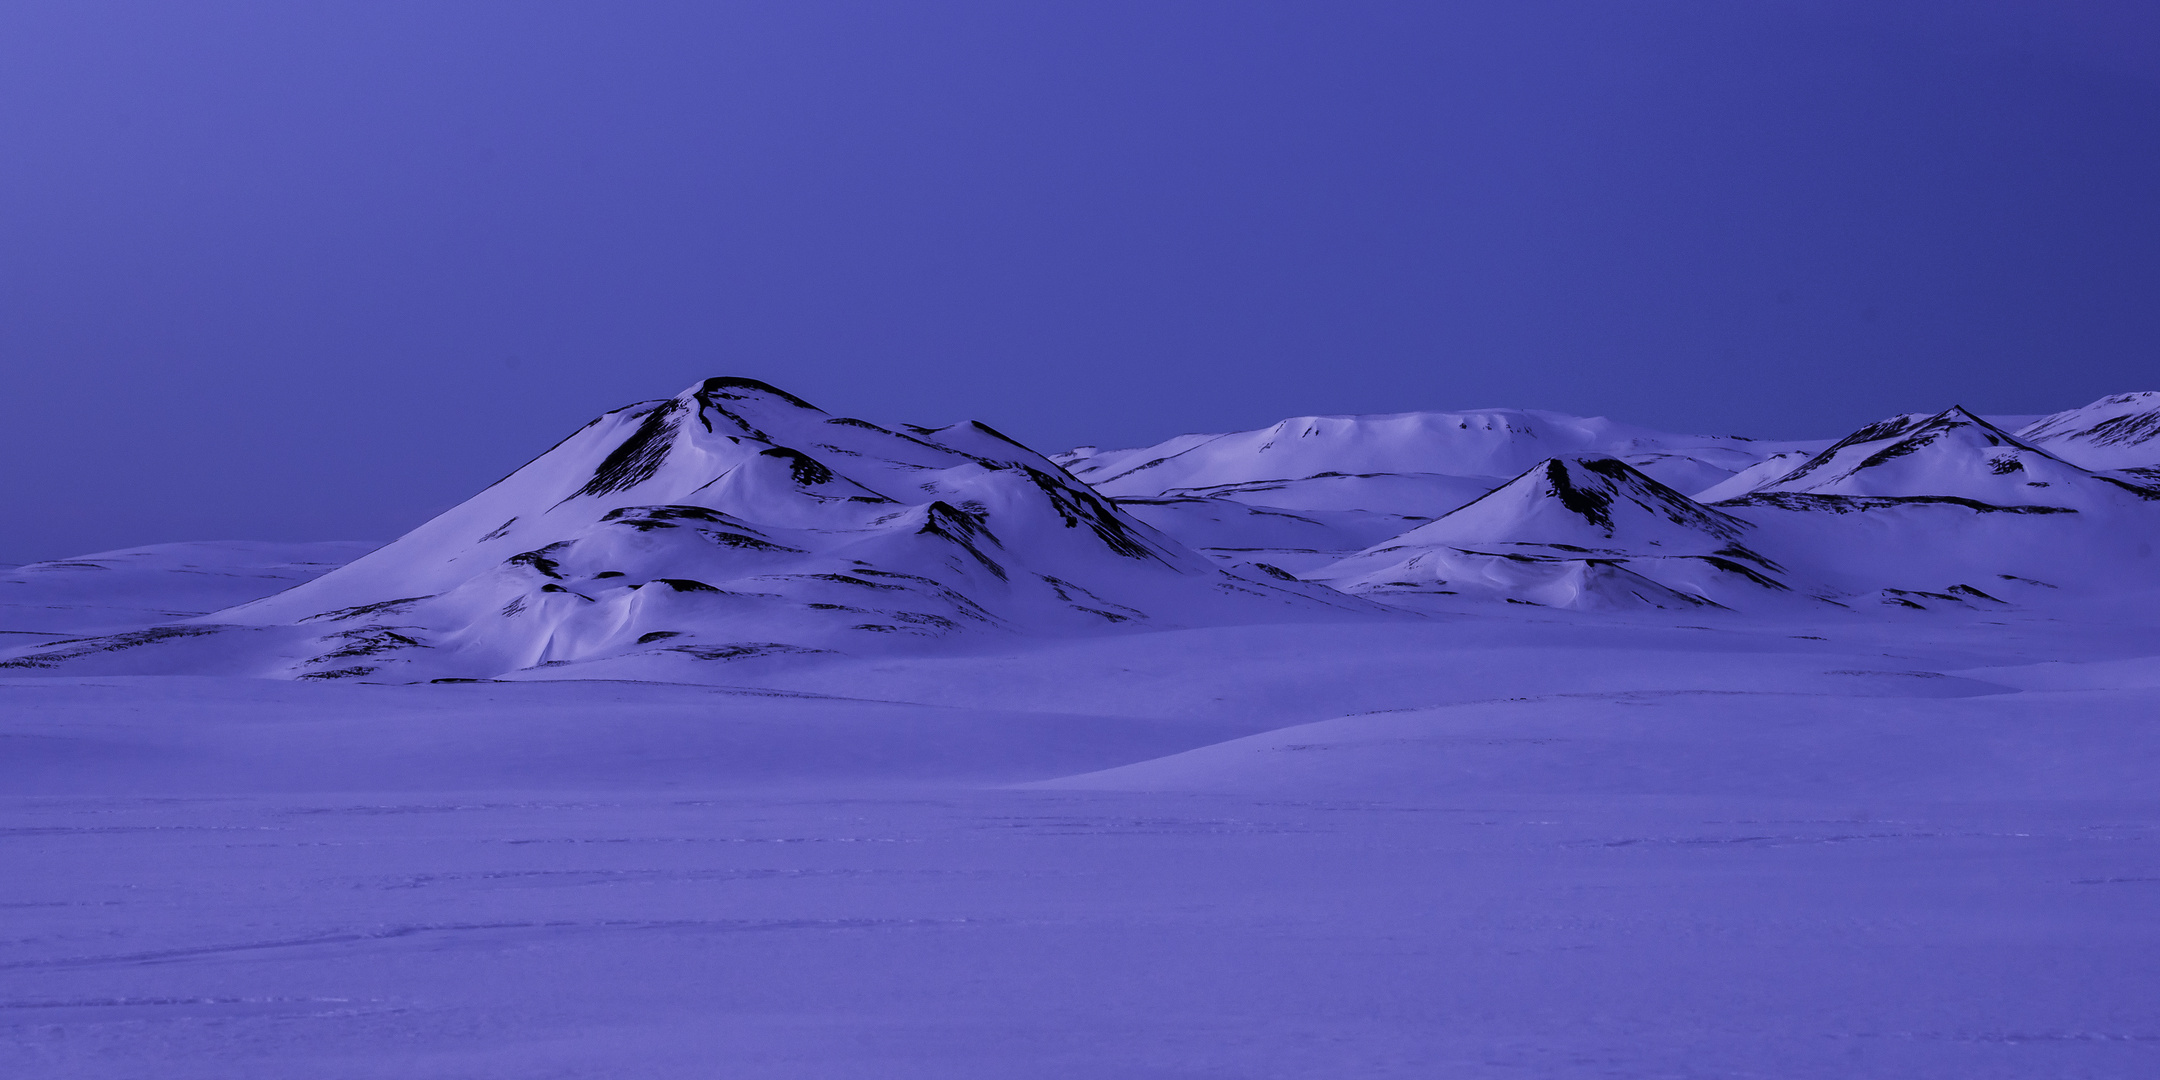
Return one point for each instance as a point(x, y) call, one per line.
point(1486, 444)
point(1589, 532)
point(2118, 432)
point(737, 520)
point(1952, 454)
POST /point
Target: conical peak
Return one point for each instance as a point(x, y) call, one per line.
point(1584, 470)
point(1957, 416)
point(1956, 454)
point(1576, 498)
point(1887, 440)
point(1590, 486)
point(1587, 485)
point(1914, 424)
point(1954, 419)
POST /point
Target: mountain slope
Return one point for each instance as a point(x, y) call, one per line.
point(2121, 431)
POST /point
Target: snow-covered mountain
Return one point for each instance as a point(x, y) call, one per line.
point(1942, 508)
point(1481, 444)
point(736, 520)
point(1951, 454)
point(1368, 475)
point(1583, 532)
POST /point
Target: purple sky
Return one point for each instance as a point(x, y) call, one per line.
point(313, 271)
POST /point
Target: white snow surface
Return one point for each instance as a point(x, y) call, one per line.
point(1851, 774)
point(1505, 845)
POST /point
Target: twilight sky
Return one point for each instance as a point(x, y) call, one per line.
point(318, 271)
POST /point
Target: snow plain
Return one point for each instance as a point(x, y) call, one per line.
point(1474, 839)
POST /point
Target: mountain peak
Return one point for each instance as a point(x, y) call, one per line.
point(765, 520)
point(1569, 532)
point(737, 388)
